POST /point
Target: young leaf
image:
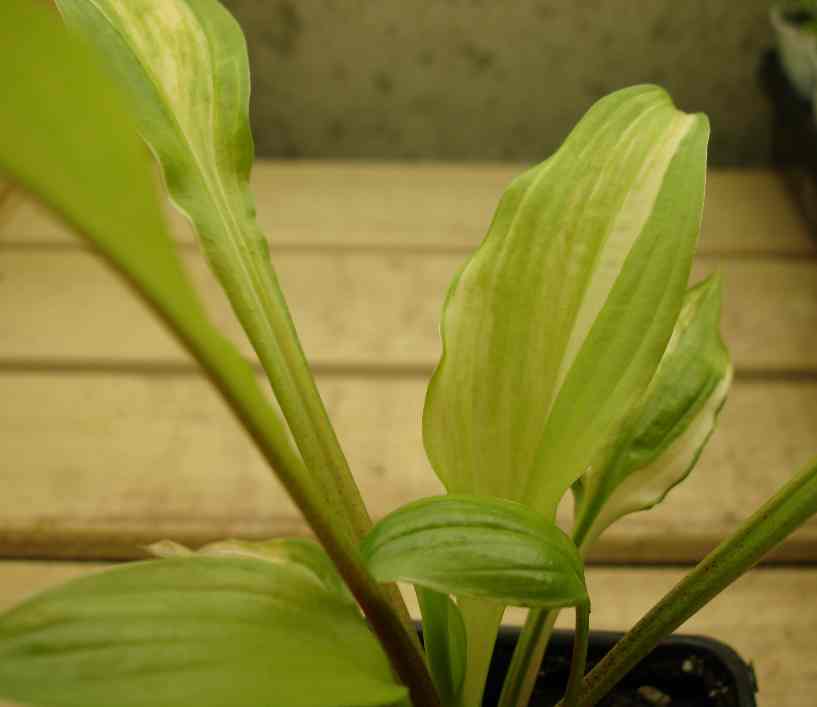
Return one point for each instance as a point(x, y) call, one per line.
point(445, 643)
point(205, 631)
point(554, 328)
point(185, 64)
point(478, 547)
point(669, 430)
point(304, 554)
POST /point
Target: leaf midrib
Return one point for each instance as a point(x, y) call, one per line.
point(212, 183)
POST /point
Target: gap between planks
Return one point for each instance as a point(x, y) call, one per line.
point(164, 369)
point(354, 312)
point(159, 458)
point(27, 245)
point(444, 206)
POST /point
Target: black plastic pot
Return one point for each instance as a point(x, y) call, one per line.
point(794, 136)
point(683, 671)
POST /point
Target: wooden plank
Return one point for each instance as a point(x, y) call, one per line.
point(98, 465)
point(446, 206)
point(369, 311)
point(768, 616)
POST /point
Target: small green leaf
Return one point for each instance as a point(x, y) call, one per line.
point(478, 547)
point(555, 326)
point(205, 631)
point(661, 443)
point(445, 643)
point(305, 554)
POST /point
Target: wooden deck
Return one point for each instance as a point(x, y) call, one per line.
point(110, 438)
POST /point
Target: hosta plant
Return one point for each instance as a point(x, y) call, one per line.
point(575, 359)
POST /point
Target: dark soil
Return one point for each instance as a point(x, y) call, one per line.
point(682, 672)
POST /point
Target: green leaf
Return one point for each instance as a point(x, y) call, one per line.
point(478, 547)
point(445, 643)
point(554, 328)
point(205, 631)
point(305, 554)
point(92, 169)
point(184, 64)
point(667, 433)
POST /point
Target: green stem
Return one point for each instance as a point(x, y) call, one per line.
point(585, 532)
point(527, 658)
point(297, 394)
point(301, 403)
point(579, 658)
point(266, 430)
point(482, 618)
point(535, 636)
point(788, 509)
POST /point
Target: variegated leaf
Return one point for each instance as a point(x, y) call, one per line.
point(554, 328)
point(184, 62)
point(666, 436)
point(67, 137)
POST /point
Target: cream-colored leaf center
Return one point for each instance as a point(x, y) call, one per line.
point(628, 225)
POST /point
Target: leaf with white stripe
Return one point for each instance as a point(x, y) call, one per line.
point(90, 167)
point(184, 63)
point(470, 546)
point(667, 435)
point(555, 326)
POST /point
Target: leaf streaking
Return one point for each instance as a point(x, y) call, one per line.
point(555, 326)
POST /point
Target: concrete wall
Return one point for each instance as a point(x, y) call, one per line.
point(480, 80)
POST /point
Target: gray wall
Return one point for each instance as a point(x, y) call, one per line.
point(482, 80)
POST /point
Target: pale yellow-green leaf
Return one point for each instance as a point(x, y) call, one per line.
point(184, 63)
point(91, 168)
point(191, 630)
point(662, 442)
point(555, 326)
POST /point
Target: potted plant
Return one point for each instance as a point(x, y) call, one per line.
point(789, 77)
point(795, 28)
point(575, 358)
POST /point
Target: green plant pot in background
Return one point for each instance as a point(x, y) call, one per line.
point(794, 135)
point(794, 27)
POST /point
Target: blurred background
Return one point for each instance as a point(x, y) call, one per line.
point(477, 80)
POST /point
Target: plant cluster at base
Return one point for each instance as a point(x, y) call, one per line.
point(575, 359)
